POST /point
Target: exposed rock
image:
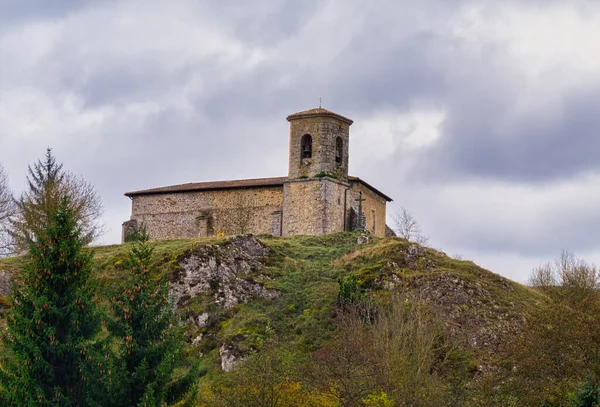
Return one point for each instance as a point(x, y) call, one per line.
point(196, 341)
point(226, 272)
point(469, 307)
point(230, 357)
point(363, 239)
point(201, 320)
point(415, 258)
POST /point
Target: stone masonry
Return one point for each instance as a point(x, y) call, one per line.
point(317, 197)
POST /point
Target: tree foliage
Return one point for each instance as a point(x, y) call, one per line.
point(559, 345)
point(588, 395)
point(146, 326)
point(48, 183)
point(54, 354)
point(266, 378)
point(398, 355)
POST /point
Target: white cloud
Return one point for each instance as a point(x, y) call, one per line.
point(123, 91)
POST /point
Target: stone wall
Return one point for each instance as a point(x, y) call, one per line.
point(373, 208)
point(324, 132)
point(313, 207)
point(204, 213)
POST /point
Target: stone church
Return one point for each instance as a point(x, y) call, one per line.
point(317, 196)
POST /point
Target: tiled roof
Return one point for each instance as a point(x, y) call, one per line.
point(207, 186)
point(242, 183)
point(319, 111)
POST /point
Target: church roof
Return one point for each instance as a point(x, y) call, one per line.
point(317, 112)
point(371, 187)
point(213, 185)
point(241, 183)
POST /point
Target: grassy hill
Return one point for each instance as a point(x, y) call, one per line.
point(243, 294)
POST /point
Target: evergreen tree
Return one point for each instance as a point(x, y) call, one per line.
point(47, 184)
point(145, 324)
point(53, 353)
point(588, 395)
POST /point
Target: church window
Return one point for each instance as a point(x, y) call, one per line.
point(306, 145)
point(339, 150)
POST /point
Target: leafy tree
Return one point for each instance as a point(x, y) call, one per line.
point(349, 292)
point(54, 355)
point(560, 338)
point(47, 184)
point(266, 378)
point(145, 324)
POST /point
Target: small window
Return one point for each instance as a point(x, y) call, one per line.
point(339, 150)
point(374, 221)
point(306, 146)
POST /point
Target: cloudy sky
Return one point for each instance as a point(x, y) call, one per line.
point(480, 117)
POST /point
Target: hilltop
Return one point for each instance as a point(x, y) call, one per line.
point(238, 294)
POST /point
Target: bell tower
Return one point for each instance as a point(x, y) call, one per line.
point(318, 144)
point(314, 195)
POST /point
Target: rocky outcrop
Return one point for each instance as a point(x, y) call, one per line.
point(470, 312)
point(230, 356)
point(227, 272)
point(363, 238)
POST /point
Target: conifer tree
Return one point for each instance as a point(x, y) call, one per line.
point(145, 323)
point(588, 395)
point(53, 353)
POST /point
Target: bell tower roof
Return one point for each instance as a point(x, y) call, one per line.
point(317, 112)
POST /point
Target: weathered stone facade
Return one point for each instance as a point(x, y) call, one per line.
point(324, 132)
point(317, 197)
point(373, 208)
point(313, 206)
point(206, 213)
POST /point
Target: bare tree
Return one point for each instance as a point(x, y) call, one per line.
point(241, 215)
point(406, 226)
point(7, 211)
point(399, 348)
point(575, 276)
point(48, 184)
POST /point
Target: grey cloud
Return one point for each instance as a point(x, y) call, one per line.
point(14, 12)
point(236, 125)
point(483, 137)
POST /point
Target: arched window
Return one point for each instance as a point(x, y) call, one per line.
point(339, 150)
point(306, 146)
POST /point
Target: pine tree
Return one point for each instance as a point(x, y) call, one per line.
point(588, 395)
point(47, 184)
point(54, 356)
point(145, 323)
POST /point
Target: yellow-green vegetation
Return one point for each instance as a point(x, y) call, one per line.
point(420, 328)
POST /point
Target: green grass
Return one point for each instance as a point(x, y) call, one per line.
point(305, 271)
